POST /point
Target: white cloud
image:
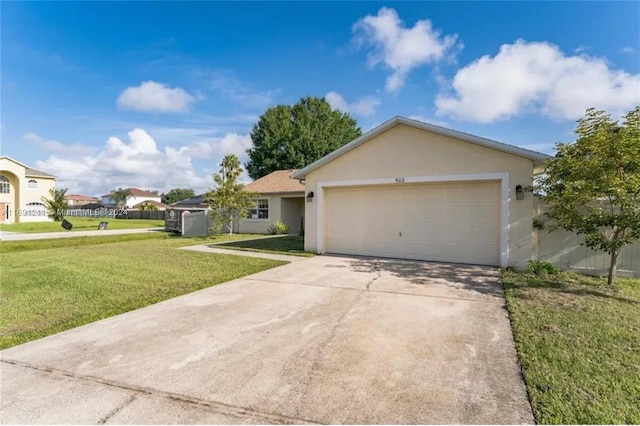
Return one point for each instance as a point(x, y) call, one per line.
point(232, 143)
point(241, 93)
point(55, 146)
point(628, 49)
point(400, 48)
point(364, 106)
point(155, 97)
point(537, 78)
point(141, 163)
point(429, 120)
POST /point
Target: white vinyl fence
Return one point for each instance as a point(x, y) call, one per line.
point(565, 250)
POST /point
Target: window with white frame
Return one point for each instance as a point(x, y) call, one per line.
point(32, 184)
point(5, 185)
point(260, 209)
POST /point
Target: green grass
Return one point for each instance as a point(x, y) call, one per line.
point(293, 245)
point(170, 240)
point(50, 289)
point(579, 346)
point(81, 224)
point(14, 246)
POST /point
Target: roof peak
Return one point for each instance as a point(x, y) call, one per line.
point(537, 157)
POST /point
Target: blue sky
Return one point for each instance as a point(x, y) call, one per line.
point(152, 95)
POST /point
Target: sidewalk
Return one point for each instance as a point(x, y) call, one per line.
point(11, 236)
point(275, 256)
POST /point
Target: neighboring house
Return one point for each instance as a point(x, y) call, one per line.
point(411, 190)
point(280, 199)
point(21, 192)
point(74, 200)
point(137, 196)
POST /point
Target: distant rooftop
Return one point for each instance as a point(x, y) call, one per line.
point(136, 193)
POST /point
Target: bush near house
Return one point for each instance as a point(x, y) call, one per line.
point(278, 228)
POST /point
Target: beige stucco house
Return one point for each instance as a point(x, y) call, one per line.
point(74, 200)
point(412, 190)
point(21, 192)
point(280, 199)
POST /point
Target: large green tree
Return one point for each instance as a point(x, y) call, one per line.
point(229, 200)
point(56, 203)
point(593, 184)
point(294, 136)
point(177, 194)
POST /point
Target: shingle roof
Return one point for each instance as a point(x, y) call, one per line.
point(29, 172)
point(79, 197)
point(275, 182)
point(189, 202)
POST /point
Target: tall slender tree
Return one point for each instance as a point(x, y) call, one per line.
point(229, 200)
point(120, 196)
point(56, 203)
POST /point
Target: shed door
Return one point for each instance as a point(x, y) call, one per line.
point(448, 222)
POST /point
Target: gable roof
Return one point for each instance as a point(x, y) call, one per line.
point(135, 192)
point(537, 157)
point(276, 182)
point(28, 171)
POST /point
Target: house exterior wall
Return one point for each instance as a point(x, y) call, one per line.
point(81, 202)
point(406, 152)
point(565, 250)
point(261, 226)
point(20, 194)
point(131, 200)
point(292, 210)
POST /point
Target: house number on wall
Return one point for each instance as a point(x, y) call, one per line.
point(399, 180)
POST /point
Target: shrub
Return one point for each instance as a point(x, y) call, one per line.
point(542, 267)
point(278, 228)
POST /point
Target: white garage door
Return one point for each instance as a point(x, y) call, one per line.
point(34, 212)
point(449, 222)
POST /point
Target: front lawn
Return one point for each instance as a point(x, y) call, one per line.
point(579, 346)
point(81, 224)
point(49, 289)
point(293, 245)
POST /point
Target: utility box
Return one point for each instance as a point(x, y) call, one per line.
point(194, 222)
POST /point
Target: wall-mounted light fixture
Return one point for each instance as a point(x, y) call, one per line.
point(519, 192)
point(309, 196)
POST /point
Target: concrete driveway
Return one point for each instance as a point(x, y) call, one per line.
point(326, 340)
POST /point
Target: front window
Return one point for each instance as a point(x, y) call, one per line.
point(5, 186)
point(260, 209)
point(33, 184)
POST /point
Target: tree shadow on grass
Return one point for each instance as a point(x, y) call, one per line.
point(566, 283)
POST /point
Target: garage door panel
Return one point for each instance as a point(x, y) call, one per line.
point(455, 222)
